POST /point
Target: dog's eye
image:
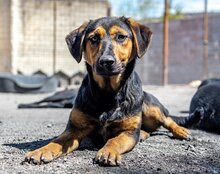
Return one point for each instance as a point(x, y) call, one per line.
point(120, 37)
point(94, 39)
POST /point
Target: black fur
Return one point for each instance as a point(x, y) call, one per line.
point(204, 110)
point(109, 102)
point(108, 105)
point(149, 99)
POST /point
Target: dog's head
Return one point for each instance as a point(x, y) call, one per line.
point(109, 44)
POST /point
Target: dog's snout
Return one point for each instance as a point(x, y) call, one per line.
point(107, 61)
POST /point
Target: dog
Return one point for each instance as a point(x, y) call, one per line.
point(204, 112)
point(110, 103)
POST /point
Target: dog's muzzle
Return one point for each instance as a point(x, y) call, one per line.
point(107, 66)
point(107, 62)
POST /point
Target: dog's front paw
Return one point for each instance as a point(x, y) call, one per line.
point(181, 133)
point(39, 156)
point(42, 155)
point(107, 157)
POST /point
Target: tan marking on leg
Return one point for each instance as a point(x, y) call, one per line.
point(177, 131)
point(144, 135)
point(123, 141)
point(153, 118)
point(79, 127)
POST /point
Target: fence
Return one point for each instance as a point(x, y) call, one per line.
point(185, 52)
point(36, 39)
point(32, 36)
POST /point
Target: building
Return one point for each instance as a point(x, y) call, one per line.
point(32, 33)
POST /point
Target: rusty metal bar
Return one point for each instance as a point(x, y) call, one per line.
point(109, 9)
point(205, 40)
point(54, 34)
point(165, 42)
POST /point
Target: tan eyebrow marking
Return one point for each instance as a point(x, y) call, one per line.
point(99, 30)
point(116, 29)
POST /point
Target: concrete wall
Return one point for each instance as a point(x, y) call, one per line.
point(38, 33)
point(5, 36)
point(186, 52)
point(70, 15)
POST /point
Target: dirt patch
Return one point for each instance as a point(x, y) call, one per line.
point(22, 130)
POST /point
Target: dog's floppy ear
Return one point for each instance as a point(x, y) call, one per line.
point(142, 36)
point(75, 40)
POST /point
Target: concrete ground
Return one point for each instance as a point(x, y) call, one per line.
point(25, 129)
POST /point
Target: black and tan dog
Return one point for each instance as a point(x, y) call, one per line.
point(110, 102)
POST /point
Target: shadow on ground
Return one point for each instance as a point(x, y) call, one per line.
point(29, 145)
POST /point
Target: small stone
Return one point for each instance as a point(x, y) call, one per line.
point(214, 171)
point(191, 148)
point(159, 169)
point(49, 125)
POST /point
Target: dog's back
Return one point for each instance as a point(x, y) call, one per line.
point(204, 110)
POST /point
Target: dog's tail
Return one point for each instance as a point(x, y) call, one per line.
point(190, 121)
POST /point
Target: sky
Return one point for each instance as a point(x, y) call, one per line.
point(198, 5)
point(187, 6)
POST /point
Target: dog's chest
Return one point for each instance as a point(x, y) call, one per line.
point(107, 130)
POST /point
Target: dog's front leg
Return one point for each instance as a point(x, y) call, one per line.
point(79, 126)
point(125, 133)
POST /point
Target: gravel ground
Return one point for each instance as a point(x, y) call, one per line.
point(25, 129)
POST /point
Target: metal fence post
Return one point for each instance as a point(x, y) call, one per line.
point(205, 40)
point(165, 42)
point(54, 34)
point(16, 33)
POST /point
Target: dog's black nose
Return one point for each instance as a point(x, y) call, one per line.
point(107, 61)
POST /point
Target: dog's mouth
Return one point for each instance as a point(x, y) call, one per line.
point(109, 70)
